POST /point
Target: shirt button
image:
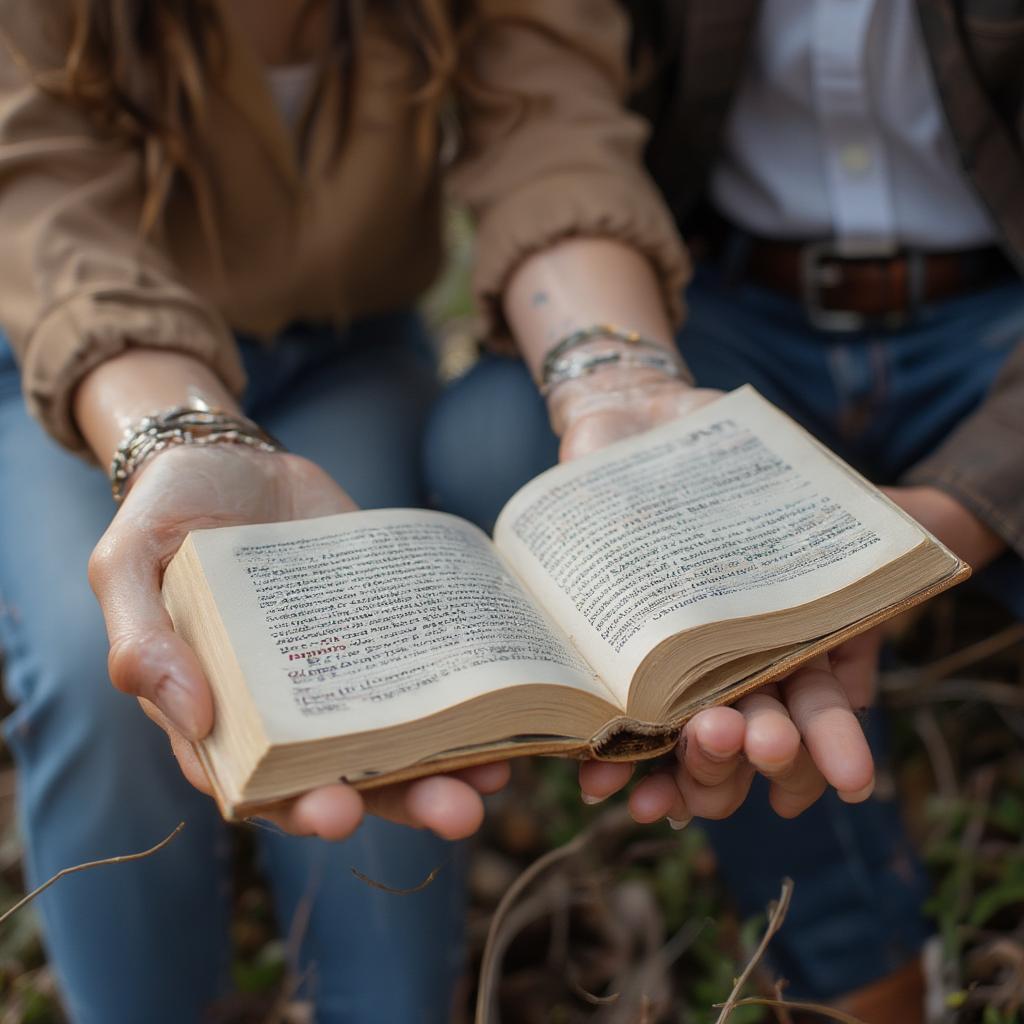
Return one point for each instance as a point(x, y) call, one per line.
point(855, 157)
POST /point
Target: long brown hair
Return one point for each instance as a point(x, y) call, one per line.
point(142, 68)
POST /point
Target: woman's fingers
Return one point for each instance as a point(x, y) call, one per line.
point(803, 738)
point(486, 778)
point(772, 740)
point(774, 747)
point(821, 710)
point(719, 800)
point(451, 807)
point(712, 779)
point(722, 755)
point(448, 806)
point(656, 797)
point(711, 745)
point(147, 659)
point(855, 665)
point(183, 750)
point(600, 779)
point(330, 812)
point(795, 788)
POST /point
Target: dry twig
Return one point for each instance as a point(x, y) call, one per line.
point(373, 883)
point(491, 961)
point(589, 997)
point(123, 859)
point(777, 914)
point(824, 1011)
point(655, 967)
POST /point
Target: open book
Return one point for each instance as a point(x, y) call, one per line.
point(622, 593)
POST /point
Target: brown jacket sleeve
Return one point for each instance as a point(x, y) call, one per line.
point(981, 463)
point(78, 283)
point(560, 156)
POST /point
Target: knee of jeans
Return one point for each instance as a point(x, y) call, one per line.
point(64, 702)
point(487, 435)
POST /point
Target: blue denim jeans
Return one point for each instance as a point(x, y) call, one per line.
point(148, 941)
point(882, 402)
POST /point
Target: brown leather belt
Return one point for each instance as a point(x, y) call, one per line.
point(846, 289)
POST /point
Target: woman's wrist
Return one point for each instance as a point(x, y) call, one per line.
point(196, 425)
point(613, 388)
point(119, 393)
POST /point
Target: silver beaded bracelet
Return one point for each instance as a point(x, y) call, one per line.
point(195, 423)
point(585, 335)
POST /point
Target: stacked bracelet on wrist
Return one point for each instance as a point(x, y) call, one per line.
point(195, 423)
point(564, 363)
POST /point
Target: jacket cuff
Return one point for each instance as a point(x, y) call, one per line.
point(90, 328)
point(564, 206)
point(982, 465)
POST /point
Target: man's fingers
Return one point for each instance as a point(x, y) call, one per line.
point(600, 779)
point(821, 711)
point(147, 659)
point(711, 745)
point(796, 788)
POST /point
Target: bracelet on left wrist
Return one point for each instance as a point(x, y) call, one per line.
point(195, 423)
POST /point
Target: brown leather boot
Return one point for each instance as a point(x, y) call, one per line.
point(898, 998)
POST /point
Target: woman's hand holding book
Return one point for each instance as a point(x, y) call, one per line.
point(196, 487)
point(802, 734)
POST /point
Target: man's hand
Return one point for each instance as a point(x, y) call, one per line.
point(188, 488)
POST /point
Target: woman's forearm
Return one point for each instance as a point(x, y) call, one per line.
point(121, 391)
point(584, 283)
point(579, 283)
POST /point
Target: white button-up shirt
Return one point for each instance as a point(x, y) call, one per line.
point(837, 132)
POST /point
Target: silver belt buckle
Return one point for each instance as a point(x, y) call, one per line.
point(815, 276)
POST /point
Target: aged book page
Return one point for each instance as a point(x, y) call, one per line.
point(366, 620)
point(731, 513)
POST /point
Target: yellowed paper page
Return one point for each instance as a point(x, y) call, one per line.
point(371, 619)
point(730, 512)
